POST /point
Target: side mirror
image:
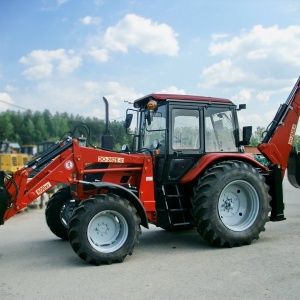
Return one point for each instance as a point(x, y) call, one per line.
point(242, 106)
point(247, 133)
point(128, 120)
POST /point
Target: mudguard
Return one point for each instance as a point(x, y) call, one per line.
point(294, 168)
point(127, 194)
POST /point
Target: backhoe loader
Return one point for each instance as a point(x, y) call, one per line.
point(186, 168)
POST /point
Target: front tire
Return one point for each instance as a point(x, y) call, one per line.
point(58, 212)
point(231, 204)
point(104, 229)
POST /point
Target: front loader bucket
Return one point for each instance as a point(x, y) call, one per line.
point(4, 198)
point(294, 168)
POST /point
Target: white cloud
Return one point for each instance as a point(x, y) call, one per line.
point(9, 88)
point(260, 56)
point(246, 119)
point(38, 72)
point(88, 20)
point(269, 116)
point(80, 98)
point(51, 5)
point(244, 96)
point(117, 96)
point(224, 72)
point(218, 36)
point(5, 101)
point(113, 90)
point(264, 96)
point(134, 31)
point(256, 120)
point(172, 90)
point(61, 2)
point(45, 61)
point(262, 42)
point(101, 55)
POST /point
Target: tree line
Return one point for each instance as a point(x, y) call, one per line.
point(34, 127)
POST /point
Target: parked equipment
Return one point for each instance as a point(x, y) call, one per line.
point(11, 158)
point(186, 168)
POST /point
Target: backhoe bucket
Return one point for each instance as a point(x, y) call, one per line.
point(4, 198)
point(294, 168)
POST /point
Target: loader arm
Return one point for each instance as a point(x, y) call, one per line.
point(19, 190)
point(278, 141)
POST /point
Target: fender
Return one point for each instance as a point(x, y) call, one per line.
point(125, 193)
point(209, 159)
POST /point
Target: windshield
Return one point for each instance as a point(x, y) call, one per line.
point(153, 128)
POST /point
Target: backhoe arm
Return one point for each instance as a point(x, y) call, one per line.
point(278, 141)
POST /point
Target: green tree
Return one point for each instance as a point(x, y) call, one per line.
point(40, 127)
point(6, 127)
point(28, 132)
point(257, 136)
point(296, 143)
point(17, 119)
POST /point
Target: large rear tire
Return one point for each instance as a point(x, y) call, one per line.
point(104, 229)
point(58, 212)
point(231, 204)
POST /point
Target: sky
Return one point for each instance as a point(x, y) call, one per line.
point(65, 55)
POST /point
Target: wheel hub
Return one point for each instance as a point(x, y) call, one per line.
point(229, 204)
point(102, 228)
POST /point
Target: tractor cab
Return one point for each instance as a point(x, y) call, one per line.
point(179, 129)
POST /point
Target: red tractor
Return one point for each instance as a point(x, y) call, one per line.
point(185, 168)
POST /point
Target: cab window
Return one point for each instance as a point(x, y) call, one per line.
point(185, 133)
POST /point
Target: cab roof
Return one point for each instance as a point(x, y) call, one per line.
point(163, 97)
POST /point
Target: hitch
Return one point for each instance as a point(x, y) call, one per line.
point(5, 196)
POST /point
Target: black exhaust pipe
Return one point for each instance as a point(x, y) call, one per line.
point(107, 139)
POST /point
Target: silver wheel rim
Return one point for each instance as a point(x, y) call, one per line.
point(238, 205)
point(107, 231)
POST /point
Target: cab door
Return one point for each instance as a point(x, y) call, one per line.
point(185, 143)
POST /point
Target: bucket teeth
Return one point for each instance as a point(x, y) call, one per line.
point(4, 198)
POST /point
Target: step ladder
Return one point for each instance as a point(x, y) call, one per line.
point(175, 206)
